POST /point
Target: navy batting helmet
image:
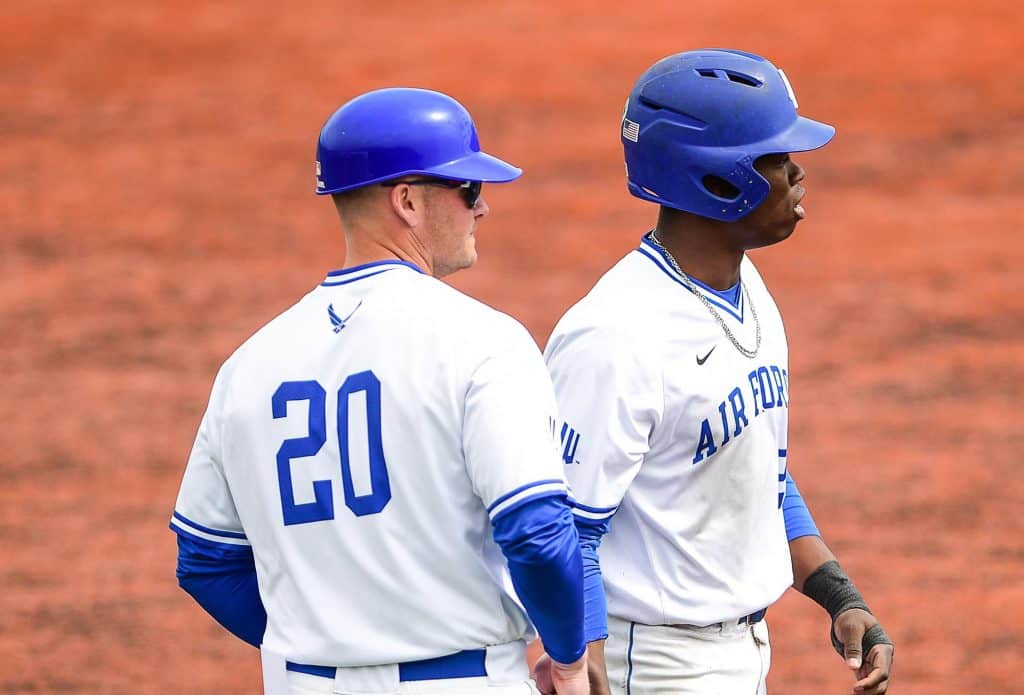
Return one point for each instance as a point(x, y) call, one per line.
point(711, 113)
point(394, 132)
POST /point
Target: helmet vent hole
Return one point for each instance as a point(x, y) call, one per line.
point(737, 77)
point(742, 79)
point(720, 188)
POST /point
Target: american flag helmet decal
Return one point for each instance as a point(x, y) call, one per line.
point(630, 130)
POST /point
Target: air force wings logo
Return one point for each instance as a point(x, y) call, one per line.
point(337, 322)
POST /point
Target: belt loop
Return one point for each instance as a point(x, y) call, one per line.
point(275, 675)
point(367, 680)
point(506, 663)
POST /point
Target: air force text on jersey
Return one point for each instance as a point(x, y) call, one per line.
point(767, 387)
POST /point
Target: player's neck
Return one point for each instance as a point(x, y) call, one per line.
point(360, 251)
point(701, 249)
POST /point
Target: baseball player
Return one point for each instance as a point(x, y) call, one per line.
point(375, 492)
point(673, 382)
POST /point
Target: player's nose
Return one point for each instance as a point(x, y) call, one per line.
point(797, 173)
point(481, 208)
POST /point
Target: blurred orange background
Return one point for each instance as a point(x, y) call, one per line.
point(156, 181)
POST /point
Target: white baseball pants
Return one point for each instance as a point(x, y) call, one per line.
point(724, 659)
point(302, 684)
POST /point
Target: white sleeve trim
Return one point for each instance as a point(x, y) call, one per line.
point(185, 527)
point(538, 489)
point(591, 513)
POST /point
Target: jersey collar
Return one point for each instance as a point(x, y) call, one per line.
point(360, 272)
point(658, 258)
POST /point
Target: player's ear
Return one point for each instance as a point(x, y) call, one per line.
point(406, 204)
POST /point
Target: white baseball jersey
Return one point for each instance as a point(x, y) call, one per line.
point(679, 439)
point(361, 442)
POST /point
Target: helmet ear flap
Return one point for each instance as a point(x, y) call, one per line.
point(753, 188)
point(720, 188)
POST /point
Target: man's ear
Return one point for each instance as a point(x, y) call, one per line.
point(406, 204)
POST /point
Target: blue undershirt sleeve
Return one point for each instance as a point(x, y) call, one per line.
point(222, 579)
point(595, 621)
point(542, 548)
point(798, 518)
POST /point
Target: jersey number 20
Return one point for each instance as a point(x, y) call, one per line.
point(322, 506)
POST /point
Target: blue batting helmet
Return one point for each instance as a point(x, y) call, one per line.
point(394, 132)
point(711, 113)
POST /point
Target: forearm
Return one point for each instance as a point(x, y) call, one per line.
point(223, 581)
point(595, 624)
point(597, 668)
point(553, 599)
point(543, 554)
point(807, 554)
point(233, 601)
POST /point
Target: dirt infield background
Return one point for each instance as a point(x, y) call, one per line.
point(156, 207)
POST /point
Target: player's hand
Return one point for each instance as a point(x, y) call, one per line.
point(872, 671)
point(564, 679)
point(541, 674)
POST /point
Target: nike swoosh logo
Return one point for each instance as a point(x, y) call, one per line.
point(702, 360)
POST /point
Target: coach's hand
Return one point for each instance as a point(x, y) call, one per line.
point(857, 630)
point(563, 679)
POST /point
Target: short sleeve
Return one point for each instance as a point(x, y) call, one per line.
point(205, 508)
point(610, 397)
point(508, 422)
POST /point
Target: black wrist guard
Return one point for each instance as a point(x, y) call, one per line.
point(874, 635)
point(830, 588)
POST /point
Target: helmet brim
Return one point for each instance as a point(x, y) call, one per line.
point(805, 134)
point(477, 166)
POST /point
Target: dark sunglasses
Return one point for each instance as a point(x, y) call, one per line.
point(470, 190)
